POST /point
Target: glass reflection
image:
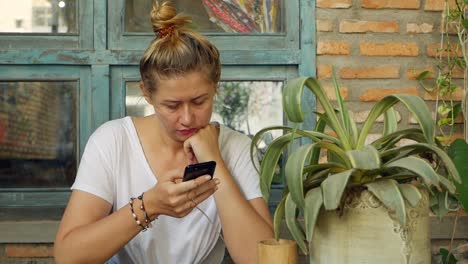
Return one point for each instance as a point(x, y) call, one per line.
point(38, 124)
point(38, 16)
point(247, 16)
point(243, 106)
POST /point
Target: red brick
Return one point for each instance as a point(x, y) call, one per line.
point(396, 4)
point(29, 250)
point(382, 72)
point(411, 74)
point(334, 3)
point(375, 94)
point(389, 49)
point(437, 5)
point(324, 25)
point(324, 71)
point(330, 91)
point(457, 95)
point(333, 48)
point(434, 49)
point(362, 26)
point(413, 28)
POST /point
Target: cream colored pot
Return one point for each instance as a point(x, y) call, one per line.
point(368, 233)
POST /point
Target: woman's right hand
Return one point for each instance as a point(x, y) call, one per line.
point(173, 197)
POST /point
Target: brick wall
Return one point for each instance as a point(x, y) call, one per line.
point(376, 48)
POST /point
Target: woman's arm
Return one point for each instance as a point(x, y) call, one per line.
point(244, 222)
point(89, 234)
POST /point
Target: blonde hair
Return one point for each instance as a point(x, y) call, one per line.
point(177, 49)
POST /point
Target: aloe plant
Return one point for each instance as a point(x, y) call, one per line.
point(385, 167)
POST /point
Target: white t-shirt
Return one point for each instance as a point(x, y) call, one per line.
point(114, 168)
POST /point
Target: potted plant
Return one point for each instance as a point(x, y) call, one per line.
point(386, 175)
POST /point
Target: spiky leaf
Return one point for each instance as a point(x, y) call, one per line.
point(293, 225)
point(333, 188)
point(389, 194)
point(365, 159)
point(313, 203)
point(419, 167)
point(411, 193)
point(294, 173)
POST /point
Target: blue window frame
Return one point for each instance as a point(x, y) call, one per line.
point(101, 58)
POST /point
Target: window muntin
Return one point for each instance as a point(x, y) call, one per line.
point(38, 134)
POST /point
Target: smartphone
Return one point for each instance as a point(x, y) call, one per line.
point(196, 170)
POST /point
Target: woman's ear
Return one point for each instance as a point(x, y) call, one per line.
point(145, 92)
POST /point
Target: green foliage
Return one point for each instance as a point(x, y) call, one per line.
point(447, 258)
point(458, 151)
point(452, 57)
point(232, 103)
point(383, 167)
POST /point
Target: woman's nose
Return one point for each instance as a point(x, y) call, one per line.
point(186, 115)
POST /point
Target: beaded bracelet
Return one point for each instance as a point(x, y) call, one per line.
point(142, 208)
point(138, 222)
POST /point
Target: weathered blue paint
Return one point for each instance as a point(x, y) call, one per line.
point(129, 57)
point(102, 58)
point(307, 67)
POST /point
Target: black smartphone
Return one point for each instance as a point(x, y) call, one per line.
point(196, 170)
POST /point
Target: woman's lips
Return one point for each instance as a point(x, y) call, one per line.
point(186, 132)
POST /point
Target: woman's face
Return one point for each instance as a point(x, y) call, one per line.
point(184, 104)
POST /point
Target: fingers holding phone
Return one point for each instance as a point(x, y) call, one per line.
point(177, 198)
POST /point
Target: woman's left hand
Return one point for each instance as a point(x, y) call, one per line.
point(203, 146)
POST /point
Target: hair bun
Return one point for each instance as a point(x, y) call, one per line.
point(166, 20)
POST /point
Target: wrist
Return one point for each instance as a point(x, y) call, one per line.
point(150, 205)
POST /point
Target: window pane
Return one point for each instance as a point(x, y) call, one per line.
point(38, 134)
point(38, 16)
point(244, 106)
point(249, 16)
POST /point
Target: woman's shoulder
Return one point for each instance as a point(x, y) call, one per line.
point(113, 129)
point(232, 138)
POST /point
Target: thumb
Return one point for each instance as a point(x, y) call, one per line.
point(188, 150)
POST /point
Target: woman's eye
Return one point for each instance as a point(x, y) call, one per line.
point(172, 107)
point(199, 102)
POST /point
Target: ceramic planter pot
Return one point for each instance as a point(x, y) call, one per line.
point(368, 233)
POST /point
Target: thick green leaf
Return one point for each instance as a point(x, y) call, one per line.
point(447, 184)
point(344, 115)
point(333, 188)
point(389, 194)
point(411, 193)
point(366, 159)
point(417, 166)
point(413, 103)
point(313, 203)
point(293, 225)
point(294, 173)
point(458, 151)
point(292, 102)
point(278, 217)
point(390, 121)
point(419, 148)
point(269, 162)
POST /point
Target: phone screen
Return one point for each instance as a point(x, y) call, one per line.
point(196, 170)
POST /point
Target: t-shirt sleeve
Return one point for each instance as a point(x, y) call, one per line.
point(244, 171)
point(94, 172)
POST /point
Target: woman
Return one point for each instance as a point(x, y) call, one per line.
point(129, 204)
